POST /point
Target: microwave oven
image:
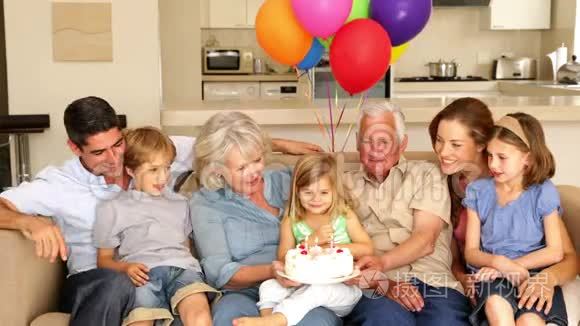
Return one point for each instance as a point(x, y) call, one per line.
point(228, 60)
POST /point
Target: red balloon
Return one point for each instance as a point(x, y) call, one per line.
point(360, 55)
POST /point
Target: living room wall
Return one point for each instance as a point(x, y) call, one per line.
point(5, 178)
point(37, 84)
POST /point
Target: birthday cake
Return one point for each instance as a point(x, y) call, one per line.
point(317, 263)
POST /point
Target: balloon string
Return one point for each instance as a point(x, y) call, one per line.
point(343, 107)
point(340, 116)
point(310, 90)
point(347, 136)
point(335, 94)
point(322, 130)
point(330, 113)
point(358, 108)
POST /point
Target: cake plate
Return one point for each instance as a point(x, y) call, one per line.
point(313, 281)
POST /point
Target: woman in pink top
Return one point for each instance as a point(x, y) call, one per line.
point(459, 134)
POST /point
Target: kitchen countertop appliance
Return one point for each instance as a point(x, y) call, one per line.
point(569, 73)
point(278, 90)
point(516, 68)
point(228, 60)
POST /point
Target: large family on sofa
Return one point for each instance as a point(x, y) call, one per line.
point(475, 239)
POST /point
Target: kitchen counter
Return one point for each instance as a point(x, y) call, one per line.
point(484, 88)
point(539, 83)
point(295, 119)
point(538, 88)
point(444, 86)
point(416, 110)
point(249, 78)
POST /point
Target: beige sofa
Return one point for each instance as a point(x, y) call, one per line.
point(29, 286)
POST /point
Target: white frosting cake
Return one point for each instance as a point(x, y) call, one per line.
point(316, 263)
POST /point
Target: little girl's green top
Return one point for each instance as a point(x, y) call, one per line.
point(301, 230)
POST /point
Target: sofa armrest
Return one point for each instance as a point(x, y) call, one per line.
point(569, 196)
point(29, 286)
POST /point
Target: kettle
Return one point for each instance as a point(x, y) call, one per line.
point(569, 73)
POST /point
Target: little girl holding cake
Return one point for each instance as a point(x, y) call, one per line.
point(319, 236)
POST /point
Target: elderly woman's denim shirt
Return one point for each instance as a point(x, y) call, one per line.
point(230, 231)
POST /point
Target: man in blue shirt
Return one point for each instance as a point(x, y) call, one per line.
point(69, 195)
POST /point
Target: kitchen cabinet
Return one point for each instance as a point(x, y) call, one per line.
point(228, 13)
point(516, 14)
point(204, 13)
point(252, 7)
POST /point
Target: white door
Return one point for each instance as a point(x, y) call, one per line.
point(216, 91)
point(227, 13)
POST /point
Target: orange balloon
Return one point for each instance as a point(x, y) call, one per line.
point(280, 34)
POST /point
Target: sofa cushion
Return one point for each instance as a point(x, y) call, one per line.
point(570, 200)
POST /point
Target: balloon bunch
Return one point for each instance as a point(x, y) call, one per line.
point(364, 37)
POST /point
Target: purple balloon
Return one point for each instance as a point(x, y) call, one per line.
point(402, 19)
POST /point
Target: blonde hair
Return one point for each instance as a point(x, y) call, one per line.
point(308, 170)
point(218, 136)
point(144, 144)
point(542, 165)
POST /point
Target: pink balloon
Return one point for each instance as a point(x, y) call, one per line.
point(321, 18)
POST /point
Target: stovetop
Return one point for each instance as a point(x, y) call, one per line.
point(440, 79)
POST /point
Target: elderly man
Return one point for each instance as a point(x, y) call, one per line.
point(405, 207)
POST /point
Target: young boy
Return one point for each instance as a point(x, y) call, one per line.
point(144, 233)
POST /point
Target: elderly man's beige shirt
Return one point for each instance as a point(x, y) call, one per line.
point(386, 212)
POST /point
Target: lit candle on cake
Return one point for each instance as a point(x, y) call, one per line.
point(332, 241)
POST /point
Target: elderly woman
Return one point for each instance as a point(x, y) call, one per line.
point(236, 216)
point(459, 134)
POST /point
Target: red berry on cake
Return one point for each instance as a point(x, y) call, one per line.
point(304, 252)
point(339, 251)
point(302, 247)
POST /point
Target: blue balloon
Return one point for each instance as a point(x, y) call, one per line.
point(313, 56)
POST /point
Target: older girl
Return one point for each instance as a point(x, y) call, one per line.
point(513, 227)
